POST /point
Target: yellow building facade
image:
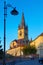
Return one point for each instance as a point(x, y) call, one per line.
point(36, 42)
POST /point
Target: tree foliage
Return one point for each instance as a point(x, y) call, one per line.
point(29, 50)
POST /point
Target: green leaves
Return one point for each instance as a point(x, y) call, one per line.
point(29, 50)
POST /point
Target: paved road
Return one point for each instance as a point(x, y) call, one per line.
point(29, 62)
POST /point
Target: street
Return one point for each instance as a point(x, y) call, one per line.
point(29, 62)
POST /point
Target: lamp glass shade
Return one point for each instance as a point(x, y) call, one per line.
point(14, 12)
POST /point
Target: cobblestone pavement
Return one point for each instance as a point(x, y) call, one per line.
point(29, 62)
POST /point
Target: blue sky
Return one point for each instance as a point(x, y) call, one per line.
point(33, 13)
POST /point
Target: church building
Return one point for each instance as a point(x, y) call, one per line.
point(16, 46)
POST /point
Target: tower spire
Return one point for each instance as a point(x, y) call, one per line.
point(23, 20)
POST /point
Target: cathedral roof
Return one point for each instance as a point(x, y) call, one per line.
point(41, 34)
point(37, 37)
point(14, 40)
point(19, 42)
point(22, 22)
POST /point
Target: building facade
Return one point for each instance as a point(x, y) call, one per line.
point(37, 42)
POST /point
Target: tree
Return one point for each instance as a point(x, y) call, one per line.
point(29, 50)
point(25, 50)
point(32, 50)
point(1, 51)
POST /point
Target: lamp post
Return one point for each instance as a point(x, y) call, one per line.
point(13, 12)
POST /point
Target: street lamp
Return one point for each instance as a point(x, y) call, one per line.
point(13, 12)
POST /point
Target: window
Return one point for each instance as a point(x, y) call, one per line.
point(20, 33)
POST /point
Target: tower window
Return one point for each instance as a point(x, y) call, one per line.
point(20, 33)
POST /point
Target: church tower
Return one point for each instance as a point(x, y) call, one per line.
point(23, 30)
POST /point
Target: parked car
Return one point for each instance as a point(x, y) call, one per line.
point(40, 60)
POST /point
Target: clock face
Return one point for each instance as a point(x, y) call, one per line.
point(20, 33)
